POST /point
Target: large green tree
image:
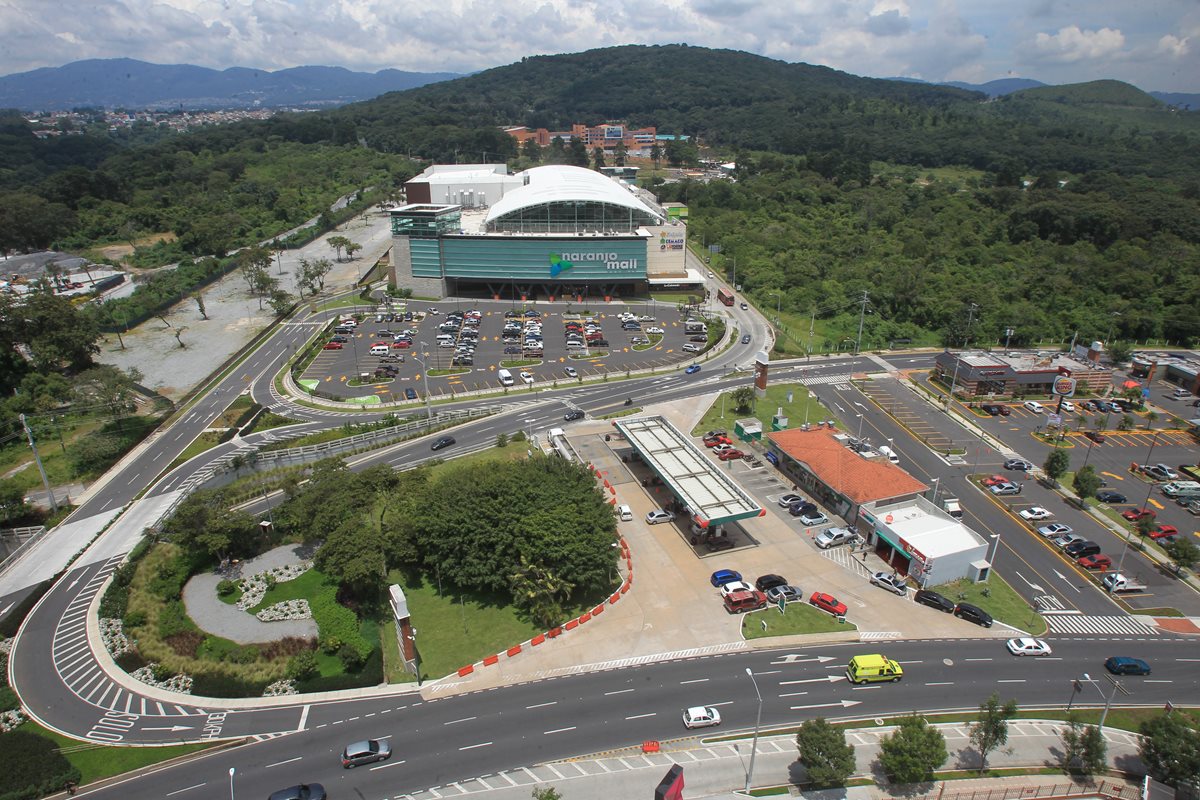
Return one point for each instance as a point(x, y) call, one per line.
point(1170, 748)
point(1057, 464)
point(1086, 483)
point(912, 752)
point(827, 758)
point(991, 729)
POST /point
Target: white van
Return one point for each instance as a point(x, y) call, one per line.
point(445, 337)
point(1180, 393)
point(506, 378)
point(379, 349)
point(624, 513)
point(890, 454)
point(1181, 489)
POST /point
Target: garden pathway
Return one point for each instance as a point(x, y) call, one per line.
point(224, 619)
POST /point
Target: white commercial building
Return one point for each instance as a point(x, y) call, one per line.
point(923, 542)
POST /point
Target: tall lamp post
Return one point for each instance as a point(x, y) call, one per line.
point(957, 361)
point(231, 771)
point(757, 723)
point(1145, 504)
point(424, 359)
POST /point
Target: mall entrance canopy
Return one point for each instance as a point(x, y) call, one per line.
point(710, 495)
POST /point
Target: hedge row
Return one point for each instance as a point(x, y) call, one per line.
point(338, 624)
point(33, 766)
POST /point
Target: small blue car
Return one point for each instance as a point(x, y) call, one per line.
point(724, 576)
point(693, 369)
point(1123, 665)
point(410, 393)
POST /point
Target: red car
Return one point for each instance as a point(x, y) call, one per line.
point(1095, 436)
point(1136, 514)
point(1098, 561)
point(994, 480)
point(730, 455)
point(400, 345)
point(333, 346)
point(713, 441)
point(1164, 532)
point(827, 602)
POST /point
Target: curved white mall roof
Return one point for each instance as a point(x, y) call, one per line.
point(566, 184)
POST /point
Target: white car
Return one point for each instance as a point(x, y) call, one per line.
point(434, 311)
point(658, 331)
point(787, 499)
point(571, 372)
point(690, 348)
point(1054, 530)
point(701, 717)
point(1028, 647)
point(891, 582)
point(1036, 513)
point(735, 586)
point(721, 448)
point(813, 518)
point(658, 515)
point(1067, 405)
point(1034, 406)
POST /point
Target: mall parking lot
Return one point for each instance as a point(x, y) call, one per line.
point(504, 337)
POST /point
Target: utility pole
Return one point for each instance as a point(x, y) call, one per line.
point(958, 361)
point(37, 458)
point(862, 313)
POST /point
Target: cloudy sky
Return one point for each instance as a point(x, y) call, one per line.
point(1153, 44)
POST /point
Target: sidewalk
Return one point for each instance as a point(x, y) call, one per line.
point(719, 770)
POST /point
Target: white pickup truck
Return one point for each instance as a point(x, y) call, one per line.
point(1115, 582)
point(953, 508)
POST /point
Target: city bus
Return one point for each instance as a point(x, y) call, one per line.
point(725, 296)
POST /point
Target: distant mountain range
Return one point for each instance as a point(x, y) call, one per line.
point(1003, 86)
point(132, 84)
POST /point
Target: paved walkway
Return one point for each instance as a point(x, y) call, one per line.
point(719, 770)
point(223, 619)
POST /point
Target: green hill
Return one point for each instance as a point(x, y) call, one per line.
point(1105, 92)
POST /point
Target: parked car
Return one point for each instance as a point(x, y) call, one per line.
point(829, 603)
point(1138, 514)
point(693, 369)
point(1027, 647)
point(690, 348)
point(658, 515)
point(928, 597)
point(718, 441)
point(1035, 513)
point(1068, 539)
point(1082, 549)
point(701, 717)
point(1006, 489)
point(1164, 532)
point(727, 589)
point(442, 443)
point(1099, 561)
point(332, 346)
point(802, 508)
point(1095, 436)
point(1066, 405)
point(787, 499)
point(973, 614)
point(769, 581)
point(1160, 471)
point(1054, 530)
point(719, 544)
point(723, 576)
point(992, 409)
point(890, 581)
point(1018, 464)
point(571, 372)
point(367, 751)
point(786, 593)
point(833, 537)
point(700, 339)
point(994, 480)
point(1123, 665)
point(730, 455)
point(1034, 406)
point(811, 518)
point(1111, 497)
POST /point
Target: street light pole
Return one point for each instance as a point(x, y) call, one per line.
point(425, 379)
point(231, 771)
point(1145, 505)
point(1076, 688)
point(957, 361)
point(995, 537)
point(757, 723)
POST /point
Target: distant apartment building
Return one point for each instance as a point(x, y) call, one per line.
point(606, 136)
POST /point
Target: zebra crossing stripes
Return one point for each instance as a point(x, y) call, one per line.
point(821, 380)
point(1083, 623)
point(844, 557)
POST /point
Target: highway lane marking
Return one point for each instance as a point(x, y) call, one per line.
point(473, 746)
point(696, 680)
point(456, 721)
point(793, 694)
point(1011, 680)
point(558, 730)
point(389, 764)
point(188, 789)
point(1157, 681)
point(642, 716)
point(941, 683)
point(977, 659)
point(726, 703)
point(281, 763)
point(769, 672)
point(303, 717)
point(864, 688)
point(543, 705)
point(620, 691)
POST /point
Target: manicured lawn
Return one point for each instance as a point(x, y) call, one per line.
point(797, 618)
point(307, 585)
point(96, 762)
point(205, 441)
point(1000, 600)
point(452, 634)
point(777, 395)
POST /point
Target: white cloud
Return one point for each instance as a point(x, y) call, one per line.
point(1173, 46)
point(1073, 44)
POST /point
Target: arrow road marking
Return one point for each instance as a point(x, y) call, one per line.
point(826, 679)
point(173, 728)
point(1033, 586)
point(840, 703)
point(798, 658)
point(1066, 580)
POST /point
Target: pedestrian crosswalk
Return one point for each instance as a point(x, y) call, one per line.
point(1095, 624)
point(820, 380)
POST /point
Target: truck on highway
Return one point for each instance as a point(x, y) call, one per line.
point(1116, 583)
point(952, 507)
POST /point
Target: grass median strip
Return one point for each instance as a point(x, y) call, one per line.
point(797, 618)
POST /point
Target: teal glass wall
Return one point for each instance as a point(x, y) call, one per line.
point(574, 259)
point(426, 258)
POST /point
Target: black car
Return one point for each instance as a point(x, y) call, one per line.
point(746, 339)
point(698, 339)
point(973, 614)
point(800, 509)
point(992, 409)
point(932, 599)
point(1111, 497)
point(304, 791)
point(341, 339)
point(719, 544)
point(765, 582)
point(1078, 550)
point(1125, 665)
point(599, 343)
point(573, 415)
point(410, 393)
point(444, 441)
point(510, 314)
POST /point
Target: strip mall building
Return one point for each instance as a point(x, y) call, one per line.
point(548, 232)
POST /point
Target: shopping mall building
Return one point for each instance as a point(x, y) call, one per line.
point(547, 232)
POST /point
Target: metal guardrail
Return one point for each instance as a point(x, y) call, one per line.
point(1116, 791)
point(25, 536)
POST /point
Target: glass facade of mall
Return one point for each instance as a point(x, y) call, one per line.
point(565, 216)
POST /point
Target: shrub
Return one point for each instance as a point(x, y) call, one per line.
point(351, 659)
point(330, 644)
point(287, 646)
point(185, 643)
point(173, 619)
point(133, 619)
point(33, 766)
point(338, 624)
point(226, 588)
point(162, 672)
point(168, 582)
point(302, 666)
point(8, 699)
point(371, 674)
point(214, 648)
point(221, 684)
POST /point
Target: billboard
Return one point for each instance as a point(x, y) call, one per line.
point(1064, 385)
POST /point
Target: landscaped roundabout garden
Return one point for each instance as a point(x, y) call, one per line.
point(489, 550)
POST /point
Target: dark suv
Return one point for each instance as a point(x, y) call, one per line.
point(1078, 550)
point(973, 614)
point(304, 791)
